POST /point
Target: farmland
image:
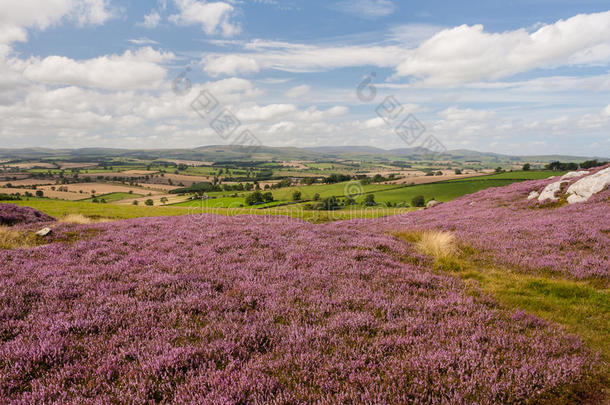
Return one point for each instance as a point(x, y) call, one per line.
point(159, 283)
point(209, 308)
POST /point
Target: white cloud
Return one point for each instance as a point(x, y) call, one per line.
point(265, 113)
point(298, 91)
point(468, 53)
point(369, 9)
point(214, 17)
point(151, 20)
point(231, 65)
point(606, 111)
point(291, 57)
point(18, 16)
point(130, 70)
point(143, 41)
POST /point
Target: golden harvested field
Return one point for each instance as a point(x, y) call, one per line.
point(139, 172)
point(184, 179)
point(72, 165)
point(27, 182)
point(101, 188)
point(112, 174)
point(32, 165)
point(61, 195)
point(158, 187)
point(190, 162)
point(171, 199)
point(433, 179)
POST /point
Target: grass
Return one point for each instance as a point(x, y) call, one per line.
point(61, 209)
point(114, 197)
point(437, 244)
point(581, 307)
point(519, 175)
point(441, 191)
point(11, 238)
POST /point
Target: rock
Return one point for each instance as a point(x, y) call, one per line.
point(549, 191)
point(44, 232)
point(533, 194)
point(432, 203)
point(573, 175)
point(584, 188)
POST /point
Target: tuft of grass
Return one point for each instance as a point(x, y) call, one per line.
point(581, 307)
point(11, 238)
point(438, 244)
point(80, 219)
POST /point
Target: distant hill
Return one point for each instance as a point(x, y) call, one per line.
point(217, 153)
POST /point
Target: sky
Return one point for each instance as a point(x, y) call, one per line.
point(514, 77)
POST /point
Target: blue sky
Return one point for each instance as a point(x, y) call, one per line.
point(519, 77)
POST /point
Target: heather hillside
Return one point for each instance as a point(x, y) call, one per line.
point(502, 225)
point(15, 215)
point(209, 309)
point(251, 309)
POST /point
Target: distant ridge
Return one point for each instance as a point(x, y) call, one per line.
point(237, 153)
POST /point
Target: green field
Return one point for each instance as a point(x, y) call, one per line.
point(520, 175)
point(229, 204)
point(60, 209)
point(113, 197)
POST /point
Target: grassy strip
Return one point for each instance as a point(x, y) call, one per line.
point(582, 307)
point(61, 209)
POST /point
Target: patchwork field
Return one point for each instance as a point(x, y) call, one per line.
point(439, 305)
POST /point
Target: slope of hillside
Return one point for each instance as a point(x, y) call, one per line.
point(209, 309)
point(502, 224)
point(11, 214)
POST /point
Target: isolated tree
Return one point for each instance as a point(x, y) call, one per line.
point(418, 201)
point(369, 200)
point(316, 197)
point(268, 197)
point(135, 202)
point(39, 193)
point(254, 198)
point(296, 196)
point(149, 202)
point(458, 171)
point(164, 200)
point(499, 169)
point(527, 167)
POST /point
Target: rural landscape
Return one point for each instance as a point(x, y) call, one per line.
point(287, 202)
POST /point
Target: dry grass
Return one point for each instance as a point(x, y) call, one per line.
point(80, 219)
point(11, 238)
point(438, 244)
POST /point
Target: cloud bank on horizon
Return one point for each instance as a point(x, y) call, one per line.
point(516, 78)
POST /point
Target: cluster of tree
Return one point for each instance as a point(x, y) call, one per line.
point(418, 201)
point(198, 188)
point(559, 166)
point(281, 184)
point(592, 163)
point(335, 203)
point(10, 197)
point(259, 197)
point(337, 178)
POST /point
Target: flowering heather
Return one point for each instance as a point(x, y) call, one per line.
point(215, 310)
point(11, 214)
point(573, 240)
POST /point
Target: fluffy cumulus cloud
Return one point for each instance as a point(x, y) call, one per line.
point(299, 58)
point(213, 17)
point(131, 70)
point(151, 20)
point(18, 16)
point(468, 53)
